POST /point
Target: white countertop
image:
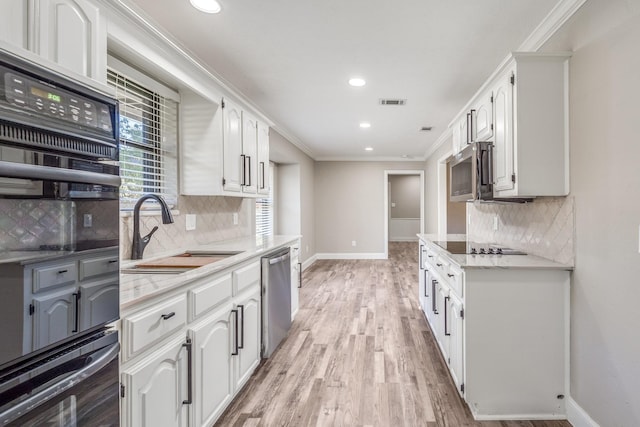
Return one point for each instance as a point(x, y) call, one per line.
point(493, 261)
point(138, 287)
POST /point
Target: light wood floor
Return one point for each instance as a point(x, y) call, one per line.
point(359, 353)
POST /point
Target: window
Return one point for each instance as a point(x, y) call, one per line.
point(264, 210)
point(148, 136)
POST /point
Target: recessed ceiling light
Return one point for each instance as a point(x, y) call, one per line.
point(365, 125)
point(206, 6)
point(368, 149)
point(357, 82)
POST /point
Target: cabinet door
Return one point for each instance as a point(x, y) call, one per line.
point(231, 147)
point(55, 316)
point(503, 135)
point(483, 118)
point(156, 388)
point(455, 322)
point(250, 153)
point(69, 32)
point(14, 22)
point(263, 159)
point(441, 297)
point(213, 373)
point(249, 342)
point(99, 303)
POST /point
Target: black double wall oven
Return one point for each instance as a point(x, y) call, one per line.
point(59, 240)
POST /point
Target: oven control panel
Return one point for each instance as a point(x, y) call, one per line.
point(29, 94)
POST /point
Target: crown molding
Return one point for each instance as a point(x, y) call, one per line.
point(369, 159)
point(446, 135)
point(550, 25)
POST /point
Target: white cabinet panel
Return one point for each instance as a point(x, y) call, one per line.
point(156, 389)
point(99, 303)
point(14, 21)
point(212, 346)
point(250, 153)
point(455, 322)
point(54, 317)
point(483, 118)
point(250, 339)
point(262, 178)
point(232, 146)
point(503, 135)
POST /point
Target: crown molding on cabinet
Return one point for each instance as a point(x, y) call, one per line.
point(369, 159)
point(446, 135)
point(550, 24)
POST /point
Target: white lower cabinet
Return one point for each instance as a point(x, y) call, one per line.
point(503, 333)
point(249, 329)
point(188, 353)
point(213, 365)
point(156, 388)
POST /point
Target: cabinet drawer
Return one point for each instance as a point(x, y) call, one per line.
point(209, 295)
point(455, 280)
point(246, 276)
point(56, 275)
point(93, 267)
point(148, 326)
point(442, 267)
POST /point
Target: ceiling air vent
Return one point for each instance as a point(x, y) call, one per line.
point(425, 128)
point(393, 101)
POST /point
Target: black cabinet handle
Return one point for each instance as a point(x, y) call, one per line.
point(450, 275)
point(468, 128)
point(420, 258)
point(446, 329)
point(299, 275)
point(429, 256)
point(472, 125)
point(62, 271)
point(168, 316)
point(189, 346)
point(262, 167)
point(248, 158)
point(243, 159)
point(112, 261)
point(241, 307)
point(76, 296)
point(235, 352)
point(439, 265)
point(433, 296)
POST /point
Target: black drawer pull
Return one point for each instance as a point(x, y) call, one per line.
point(168, 316)
point(112, 261)
point(439, 265)
point(450, 275)
point(62, 271)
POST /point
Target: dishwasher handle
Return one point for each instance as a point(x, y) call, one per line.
point(279, 259)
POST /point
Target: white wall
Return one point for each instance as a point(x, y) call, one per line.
point(295, 191)
point(350, 205)
point(605, 181)
point(431, 187)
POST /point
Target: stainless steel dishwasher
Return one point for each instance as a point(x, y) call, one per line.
point(276, 300)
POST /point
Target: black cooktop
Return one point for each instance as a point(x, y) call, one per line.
point(458, 247)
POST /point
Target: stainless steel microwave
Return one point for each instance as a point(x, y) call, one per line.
point(472, 173)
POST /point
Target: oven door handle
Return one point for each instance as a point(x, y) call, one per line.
point(36, 172)
point(102, 358)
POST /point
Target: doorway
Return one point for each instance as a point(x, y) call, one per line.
point(404, 206)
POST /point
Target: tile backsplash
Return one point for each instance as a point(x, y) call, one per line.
point(29, 224)
point(544, 227)
point(214, 222)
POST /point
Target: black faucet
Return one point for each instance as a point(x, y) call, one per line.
point(139, 243)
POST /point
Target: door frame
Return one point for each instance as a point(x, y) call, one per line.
point(386, 202)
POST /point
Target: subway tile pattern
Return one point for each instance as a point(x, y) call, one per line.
point(214, 222)
point(544, 227)
point(29, 224)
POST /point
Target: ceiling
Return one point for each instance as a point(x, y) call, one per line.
point(293, 59)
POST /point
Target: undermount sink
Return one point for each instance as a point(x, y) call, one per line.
point(177, 264)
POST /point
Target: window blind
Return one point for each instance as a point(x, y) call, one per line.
point(264, 210)
point(148, 141)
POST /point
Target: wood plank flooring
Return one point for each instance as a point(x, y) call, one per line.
point(360, 353)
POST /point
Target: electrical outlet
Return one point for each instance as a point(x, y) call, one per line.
point(87, 220)
point(190, 220)
point(353, 243)
point(495, 223)
point(393, 205)
point(235, 218)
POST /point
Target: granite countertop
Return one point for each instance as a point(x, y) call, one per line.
point(29, 257)
point(493, 261)
point(138, 287)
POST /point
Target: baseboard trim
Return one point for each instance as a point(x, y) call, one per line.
point(364, 255)
point(577, 416)
point(518, 417)
point(309, 262)
point(404, 239)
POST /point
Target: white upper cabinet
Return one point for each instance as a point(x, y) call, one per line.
point(14, 20)
point(249, 153)
point(70, 33)
point(531, 153)
point(263, 159)
point(219, 155)
point(503, 136)
point(483, 118)
point(232, 167)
